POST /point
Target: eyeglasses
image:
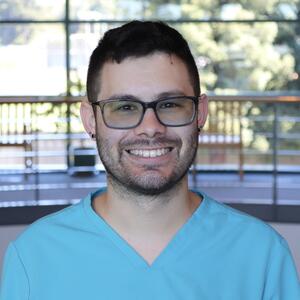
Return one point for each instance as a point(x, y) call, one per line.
point(126, 113)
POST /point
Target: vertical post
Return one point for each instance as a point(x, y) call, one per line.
point(67, 41)
point(36, 167)
point(143, 9)
point(241, 148)
point(68, 94)
point(274, 159)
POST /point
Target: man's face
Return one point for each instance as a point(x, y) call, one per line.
point(150, 158)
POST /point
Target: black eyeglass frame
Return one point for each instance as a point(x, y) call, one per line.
point(146, 105)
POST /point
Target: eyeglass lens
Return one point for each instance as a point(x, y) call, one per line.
point(125, 113)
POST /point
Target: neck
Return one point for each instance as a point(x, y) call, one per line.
point(144, 215)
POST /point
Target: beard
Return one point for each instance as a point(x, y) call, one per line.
point(151, 182)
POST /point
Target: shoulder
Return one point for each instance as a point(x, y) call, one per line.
point(242, 225)
point(53, 226)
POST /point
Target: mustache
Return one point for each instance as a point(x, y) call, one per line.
point(154, 142)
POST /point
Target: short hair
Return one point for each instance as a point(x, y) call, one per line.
point(138, 39)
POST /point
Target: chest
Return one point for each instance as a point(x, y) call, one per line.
point(103, 271)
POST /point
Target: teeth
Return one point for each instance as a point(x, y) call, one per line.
point(150, 153)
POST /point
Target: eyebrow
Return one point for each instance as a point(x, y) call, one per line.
point(162, 95)
point(122, 97)
point(171, 93)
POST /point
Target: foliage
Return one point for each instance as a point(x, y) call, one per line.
point(10, 9)
point(234, 57)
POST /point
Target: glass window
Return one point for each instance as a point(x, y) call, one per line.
point(234, 57)
point(32, 60)
point(182, 9)
point(84, 38)
point(32, 9)
point(243, 57)
point(107, 10)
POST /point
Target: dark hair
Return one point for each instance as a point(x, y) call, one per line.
point(138, 39)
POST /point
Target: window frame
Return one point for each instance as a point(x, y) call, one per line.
point(28, 214)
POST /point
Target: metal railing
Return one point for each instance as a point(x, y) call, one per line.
point(45, 134)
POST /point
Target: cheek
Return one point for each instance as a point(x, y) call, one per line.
point(189, 137)
point(109, 139)
point(99, 121)
point(114, 136)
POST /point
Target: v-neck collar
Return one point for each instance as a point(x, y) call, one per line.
point(168, 254)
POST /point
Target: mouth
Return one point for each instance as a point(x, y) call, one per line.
point(149, 152)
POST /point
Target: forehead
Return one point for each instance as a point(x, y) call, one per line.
point(145, 76)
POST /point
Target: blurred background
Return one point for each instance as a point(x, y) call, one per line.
point(248, 55)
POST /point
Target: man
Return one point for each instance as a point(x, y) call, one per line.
point(147, 236)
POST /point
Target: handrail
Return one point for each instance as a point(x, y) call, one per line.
point(40, 99)
point(62, 110)
point(254, 98)
point(74, 99)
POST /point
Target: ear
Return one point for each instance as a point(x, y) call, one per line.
point(87, 117)
point(202, 110)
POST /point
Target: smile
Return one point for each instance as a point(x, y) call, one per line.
point(149, 153)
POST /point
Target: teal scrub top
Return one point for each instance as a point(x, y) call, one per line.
point(218, 254)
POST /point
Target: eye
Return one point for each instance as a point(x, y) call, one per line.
point(124, 106)
point(170, 104)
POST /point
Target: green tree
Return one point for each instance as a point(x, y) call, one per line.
point(15, 9)
point(235, 57)
point(25, 10)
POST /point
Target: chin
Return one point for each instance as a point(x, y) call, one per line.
point(152, 185)
point(150, 190)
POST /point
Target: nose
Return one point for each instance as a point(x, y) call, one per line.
point(150, 125)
